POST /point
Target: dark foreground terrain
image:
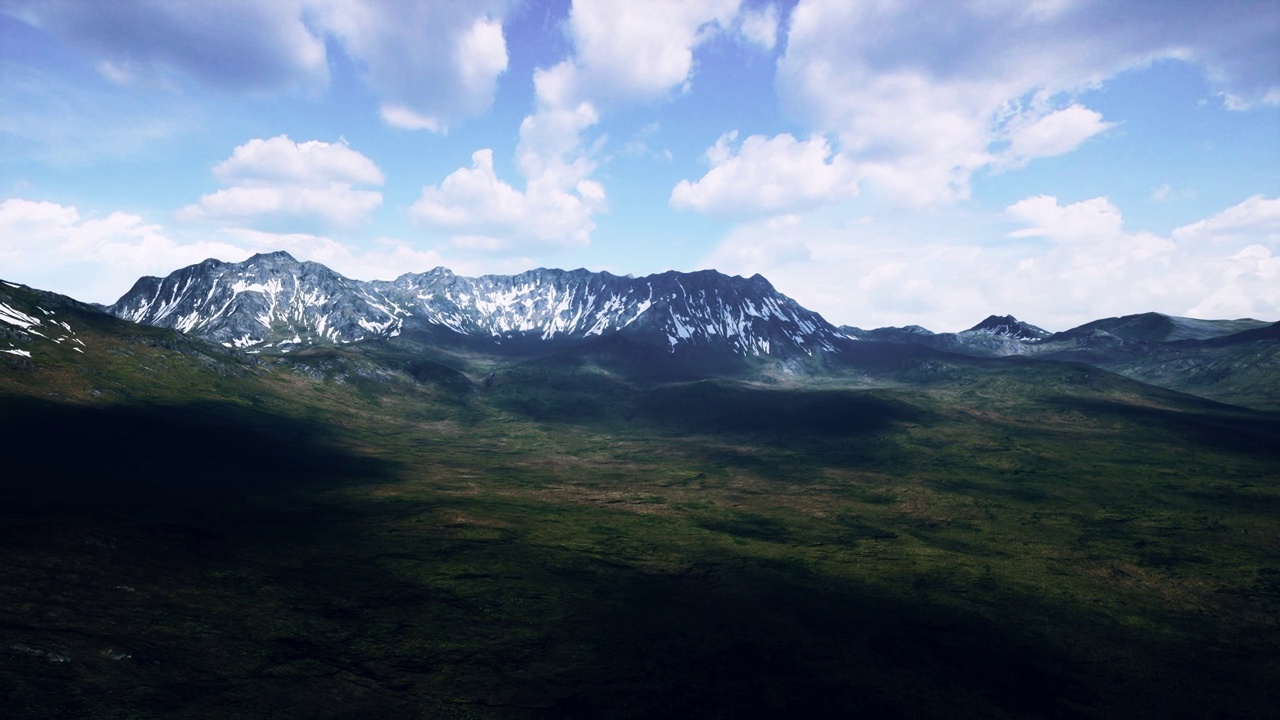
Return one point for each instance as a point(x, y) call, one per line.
point(187, 532)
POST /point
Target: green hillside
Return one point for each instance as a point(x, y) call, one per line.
point(189, 532)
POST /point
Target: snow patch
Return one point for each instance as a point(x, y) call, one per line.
point(15, 351)
point(16, 317)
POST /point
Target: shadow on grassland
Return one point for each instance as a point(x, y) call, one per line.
point(1230, 428)
point(714, 407)
point(768, 641)
point(737, 638)
point(194, 456)
point(339, 624)
point(457, 608)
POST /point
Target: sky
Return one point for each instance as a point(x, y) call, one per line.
point(883, 162)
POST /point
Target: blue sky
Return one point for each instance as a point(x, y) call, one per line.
point(884, 163)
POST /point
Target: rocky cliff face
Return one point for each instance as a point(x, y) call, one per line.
point(274, 301)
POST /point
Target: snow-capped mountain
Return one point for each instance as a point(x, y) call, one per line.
point(266, 301)
point(996, 336)
point(1008, 326)
point(33, 322)
point(274, 301)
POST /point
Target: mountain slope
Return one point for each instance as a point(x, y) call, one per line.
point(187, 530)
point(1158, 327)
point(274, 301)
point(268, 300)
point(1008, 326)
point(1234, 361)
point(33, 322)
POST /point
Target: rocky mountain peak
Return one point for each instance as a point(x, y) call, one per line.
point(1009, 326)
point(273, 301)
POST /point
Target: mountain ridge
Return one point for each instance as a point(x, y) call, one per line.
point(272, 300)
point(666, 325)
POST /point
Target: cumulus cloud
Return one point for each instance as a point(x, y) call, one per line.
point(487, 212)
point(234, 45)
point(921, 95)
point(279, 159)
point(1257, 217)
point(53, 247)
point(760, 26)
point(1056, 133)
point(1244, 284)
point(1092, 219)
point(432, 62)
point(277, 177)
point(97, 259)
point(1061, 265)
point(623, 53)
point(767, 175)
point(628, 52)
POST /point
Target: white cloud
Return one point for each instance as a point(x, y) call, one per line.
point(1062, 265)
point(760, 26)
point(384, 258)
point(279, 159)
point(624, 53)
point(97, 259)
point(243, 45)
point(628, 52)
point(1246, 284)
point(52, 247)
point(481, 210)
point(1257, 217)
point(1056, 133)
point(767, 176)
point(277, 177)
point(336, 203)
point(921, 95)
point(433, 62)
point(1092, 219)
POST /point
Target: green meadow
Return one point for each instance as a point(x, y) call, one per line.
point(188, 533)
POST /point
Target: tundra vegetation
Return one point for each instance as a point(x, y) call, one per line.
point(187, 531)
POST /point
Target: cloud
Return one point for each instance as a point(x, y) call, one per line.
point(623, 54)
point(1056, 133)
point(768, 176)
point(1061, 265)
point(630, 52)
point(1087, 220)
point(1245, 284)
point(277, 177)
point(52, 247)
point(760, 26)
point(387, 259)
point(433, 62)
point(921, 95)
point(482, 209)
point(279, 159)
point(240, 45)
point(97, 259)
point(1256, 218)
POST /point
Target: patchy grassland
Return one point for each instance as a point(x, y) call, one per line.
point(184, 537)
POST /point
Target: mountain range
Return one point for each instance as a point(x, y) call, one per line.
point(566, 494)
point(275, 304)
point(272, 301)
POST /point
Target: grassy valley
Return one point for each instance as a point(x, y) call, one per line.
point(192, 532)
